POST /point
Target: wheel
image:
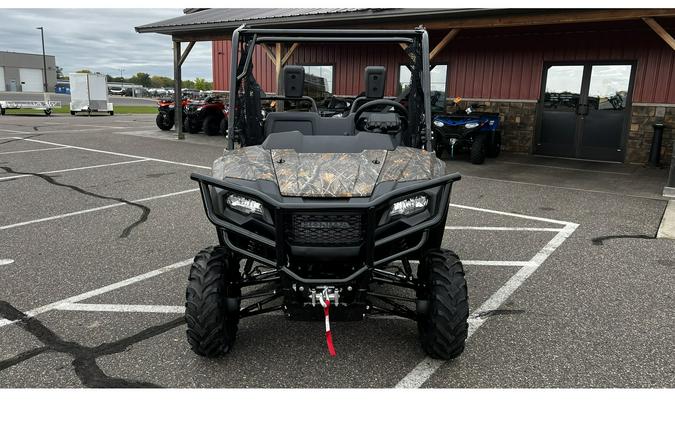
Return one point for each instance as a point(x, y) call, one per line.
point(494, 145)
point(478, 151)
point(112, 113)
point(72, 113)
point(164, 121)
point(2, 111)
point(211, 328)
point(443, 328)
point(48, 112)
point(438, 149)
point(211, 125)
point(191, 126)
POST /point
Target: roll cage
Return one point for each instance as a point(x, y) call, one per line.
point(246, 121)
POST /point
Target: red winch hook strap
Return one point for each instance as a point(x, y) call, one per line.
point(329, 338)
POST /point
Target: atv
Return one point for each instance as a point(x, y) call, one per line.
point(325, 218)
point(205, 115)
point(467, 130)
point(166, 112)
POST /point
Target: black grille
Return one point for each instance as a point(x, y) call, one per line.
point(325, 229)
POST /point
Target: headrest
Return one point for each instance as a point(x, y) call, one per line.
point(375, 77)
point(294, 80)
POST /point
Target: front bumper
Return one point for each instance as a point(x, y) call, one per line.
point(268, 239)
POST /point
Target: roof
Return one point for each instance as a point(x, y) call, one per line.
point(229, 19)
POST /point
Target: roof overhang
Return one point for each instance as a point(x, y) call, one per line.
point(217, 24)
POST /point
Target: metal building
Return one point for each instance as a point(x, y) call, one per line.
point(586, 84)
point(23, 72)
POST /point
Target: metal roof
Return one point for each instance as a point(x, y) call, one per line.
point(223, 19)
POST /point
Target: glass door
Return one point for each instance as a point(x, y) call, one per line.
point(558, 110)
point(583, 111)
point(605, 115)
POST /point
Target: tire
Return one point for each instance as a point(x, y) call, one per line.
point(443, 329)
point(2, 111)
point(72, 113)
point(48, 112)
point(211, 330)
point(163, 121)
point(478, 151)
point(438, 149)
point(494, 145)
point(191, 126)
point(211, 125)
point(112, 113)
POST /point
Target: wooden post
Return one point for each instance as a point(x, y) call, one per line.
point(441, 45)
point(178, 95)
point(660, 31)
point(277, 62)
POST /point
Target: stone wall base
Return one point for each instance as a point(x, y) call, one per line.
point(518, 125)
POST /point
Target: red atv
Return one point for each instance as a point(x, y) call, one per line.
point(166, 116)
point(206, 115)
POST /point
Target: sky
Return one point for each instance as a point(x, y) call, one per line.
point(101, 40)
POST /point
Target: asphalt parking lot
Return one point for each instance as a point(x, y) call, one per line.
point(99, 221)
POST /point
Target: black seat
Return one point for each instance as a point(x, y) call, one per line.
point(326, 144)
point(304, 122)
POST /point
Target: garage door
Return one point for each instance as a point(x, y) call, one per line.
point(2, 79)
point(31, 80)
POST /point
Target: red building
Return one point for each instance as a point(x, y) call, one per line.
point(576, 83)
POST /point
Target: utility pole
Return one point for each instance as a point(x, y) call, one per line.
point(44, 60)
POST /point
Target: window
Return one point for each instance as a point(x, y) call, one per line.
point(318, 81)
point(439, 75)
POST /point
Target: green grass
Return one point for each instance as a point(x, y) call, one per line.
point(119, 109)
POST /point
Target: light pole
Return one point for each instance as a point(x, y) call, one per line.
point(44, 58)
point(122, 77)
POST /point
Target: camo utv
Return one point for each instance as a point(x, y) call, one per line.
point(328, 217)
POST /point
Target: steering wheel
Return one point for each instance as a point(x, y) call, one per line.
point(402, 111)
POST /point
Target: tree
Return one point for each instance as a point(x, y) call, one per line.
point(59, 72)
point(141, 78)
point(161, 82)
point(83, 71)
point(200, 84)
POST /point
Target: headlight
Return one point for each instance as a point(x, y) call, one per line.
point(199, 108)
point(409, 206)
point(471, 125)
point(244, 205)
point(438, 123)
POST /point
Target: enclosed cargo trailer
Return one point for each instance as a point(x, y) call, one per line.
point(89, 92)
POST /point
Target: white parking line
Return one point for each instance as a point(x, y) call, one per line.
point(426, 368)
point(115, 153)
point(19, 176)
point(105, 207)
point(5, 262)
point(511, 214)
point(48, 132)
point(100, 291)
point(497, 263)
point(33, 150)
point(106, 307)
point(515, 163)
point(488, 228)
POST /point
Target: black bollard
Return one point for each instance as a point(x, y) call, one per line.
point(655, 151)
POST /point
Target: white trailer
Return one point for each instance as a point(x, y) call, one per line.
point(89, 92)
point(45, 106)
